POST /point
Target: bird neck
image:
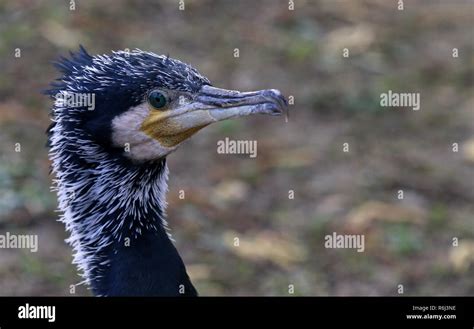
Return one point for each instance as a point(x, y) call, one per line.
point(149, 266)
point(115, 213)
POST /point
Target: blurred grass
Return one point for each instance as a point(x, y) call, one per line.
point(336, 102)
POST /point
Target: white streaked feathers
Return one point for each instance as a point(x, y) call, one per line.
point(82, 200)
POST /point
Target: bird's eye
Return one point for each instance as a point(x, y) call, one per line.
point(157, 99)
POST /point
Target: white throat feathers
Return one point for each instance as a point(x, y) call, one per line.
point(102, 201)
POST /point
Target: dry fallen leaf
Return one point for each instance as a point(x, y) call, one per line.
point(198, 271)
point(230, 190)
point(462, 256)
point(266, 246)
point(296, 158)
point(60, 35)
point(358, 38)
point(468, 150)
point(363, 216)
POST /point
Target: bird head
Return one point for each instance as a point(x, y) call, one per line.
point(143, 105)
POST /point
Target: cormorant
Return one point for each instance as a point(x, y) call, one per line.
point(115, 119)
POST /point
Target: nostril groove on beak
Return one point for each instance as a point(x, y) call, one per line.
point(268, 101)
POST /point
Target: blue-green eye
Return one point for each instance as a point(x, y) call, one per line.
point(157, 99)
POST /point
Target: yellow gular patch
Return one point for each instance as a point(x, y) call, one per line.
point(165, 130)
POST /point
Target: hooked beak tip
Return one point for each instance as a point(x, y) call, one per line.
point(268, 101)
point(277, 102)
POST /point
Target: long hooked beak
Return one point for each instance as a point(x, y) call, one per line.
point(210, 105)
point(226, 104)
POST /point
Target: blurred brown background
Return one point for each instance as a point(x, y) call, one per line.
point(337, 99)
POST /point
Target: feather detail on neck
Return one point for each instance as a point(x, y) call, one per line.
point(104, 199)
